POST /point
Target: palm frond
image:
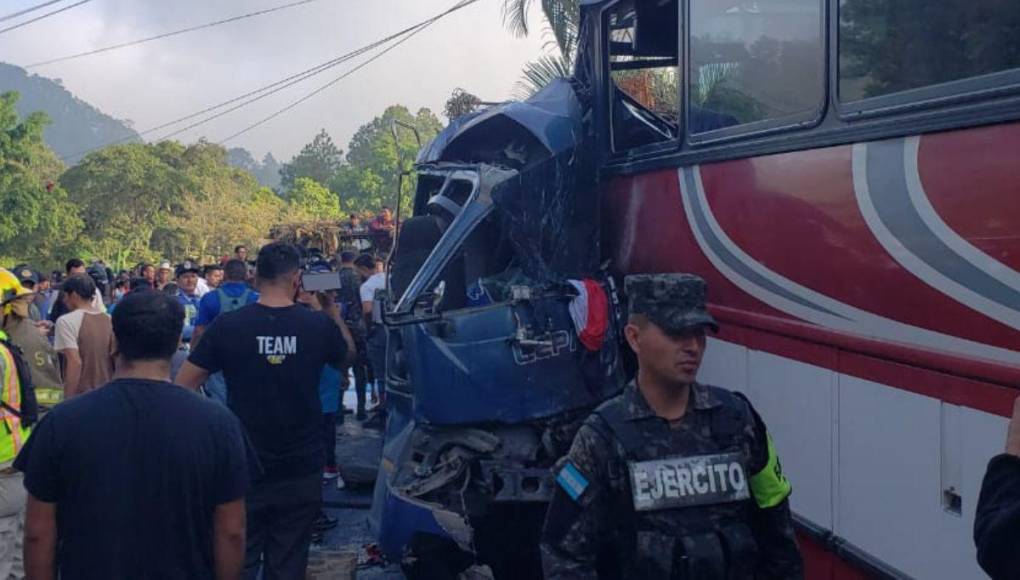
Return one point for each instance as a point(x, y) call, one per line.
point(539, 73)
point(515, 16)
point(563, 17)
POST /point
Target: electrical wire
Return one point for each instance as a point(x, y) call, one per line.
point(47, 15)
point(322, 88)
point(275, 87)
point(169, 34)
point(422, 27)
point(29, 9)
point(268, 90)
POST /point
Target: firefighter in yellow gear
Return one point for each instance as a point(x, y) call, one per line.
point(12, 438)
point(30, 337)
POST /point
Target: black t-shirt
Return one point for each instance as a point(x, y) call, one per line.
point(271, 359)
point(136, 469)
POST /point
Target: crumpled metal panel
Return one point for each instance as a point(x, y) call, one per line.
point(553, 116)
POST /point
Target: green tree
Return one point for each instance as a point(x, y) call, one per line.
point(562, 22)
point(309, 197)
point(893, 45)
point(318, 160)
point(126, 194)
point(460, 103)
point(36, 217)
point(268, 172)
point(374, 161)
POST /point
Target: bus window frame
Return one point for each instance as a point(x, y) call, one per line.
point(609, 86)
point(798, 122)
point(930, 97)
point(999, 104)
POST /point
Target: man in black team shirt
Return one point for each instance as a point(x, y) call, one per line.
point(140, 478)
point(271, 354)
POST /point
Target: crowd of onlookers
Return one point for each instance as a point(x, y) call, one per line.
point(100, 349)
point(377, 234)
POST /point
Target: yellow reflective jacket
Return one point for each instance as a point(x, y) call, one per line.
point(12, 435)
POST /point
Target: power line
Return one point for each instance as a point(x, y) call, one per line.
point(275, 87)
point(422, 27)
point(253, 99)
point(168, 34)
point(29, 9)
point(47, 15)
point(327, 85)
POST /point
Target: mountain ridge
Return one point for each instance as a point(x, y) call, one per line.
point(75, 125)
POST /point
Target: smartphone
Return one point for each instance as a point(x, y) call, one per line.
point(321, 281)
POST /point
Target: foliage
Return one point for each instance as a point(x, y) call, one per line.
point(460, 103)
point(539, 73)
point(267, 172)
point(35, 214)
point(562, 22)
point(146, 201)
point(76, 125)
point(310, 198)
point(893, 45)
point(142, 202)
point(318, 160)
point(374, 161)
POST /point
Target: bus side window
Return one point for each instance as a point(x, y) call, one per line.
point(643, 44)
point(888, 46)
point(754, 61)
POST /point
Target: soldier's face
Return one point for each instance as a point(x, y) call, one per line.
point(673, 358)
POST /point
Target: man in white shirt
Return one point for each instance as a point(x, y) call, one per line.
point(84, 339)
point(373, 271)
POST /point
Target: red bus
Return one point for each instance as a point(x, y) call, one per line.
point(845, 174)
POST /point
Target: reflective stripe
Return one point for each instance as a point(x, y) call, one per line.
point(769, 486)
point(13, 438)
point(48, 396)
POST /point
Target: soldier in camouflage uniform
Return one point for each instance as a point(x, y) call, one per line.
point(671, 479)
point(350, 299)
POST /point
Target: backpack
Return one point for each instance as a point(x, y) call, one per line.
point(29, 412)
point(229, 303)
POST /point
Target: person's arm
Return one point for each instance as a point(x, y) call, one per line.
point(196, 335)
point(772, 522)
point(997, 521)
point(578, 516)
point(191, 376)
point(330, 307)
point(228, 539)
point(72, 371)
point(40, 549)
point(367, 294)
point(205, 359)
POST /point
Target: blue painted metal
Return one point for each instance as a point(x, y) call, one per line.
point(395, 519)
point(553, 115)
point(470, 367)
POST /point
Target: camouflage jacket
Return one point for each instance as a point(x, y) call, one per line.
point(350, 297)
point(593, 530)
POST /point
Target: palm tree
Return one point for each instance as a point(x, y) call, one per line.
point(561, 22)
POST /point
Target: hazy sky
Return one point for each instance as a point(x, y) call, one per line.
point(162, 80)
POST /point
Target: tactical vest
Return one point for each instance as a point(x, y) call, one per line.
point(686, 504)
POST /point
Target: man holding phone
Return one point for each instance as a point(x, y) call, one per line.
point(272, 354)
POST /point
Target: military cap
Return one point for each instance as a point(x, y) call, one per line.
point(674, 302)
